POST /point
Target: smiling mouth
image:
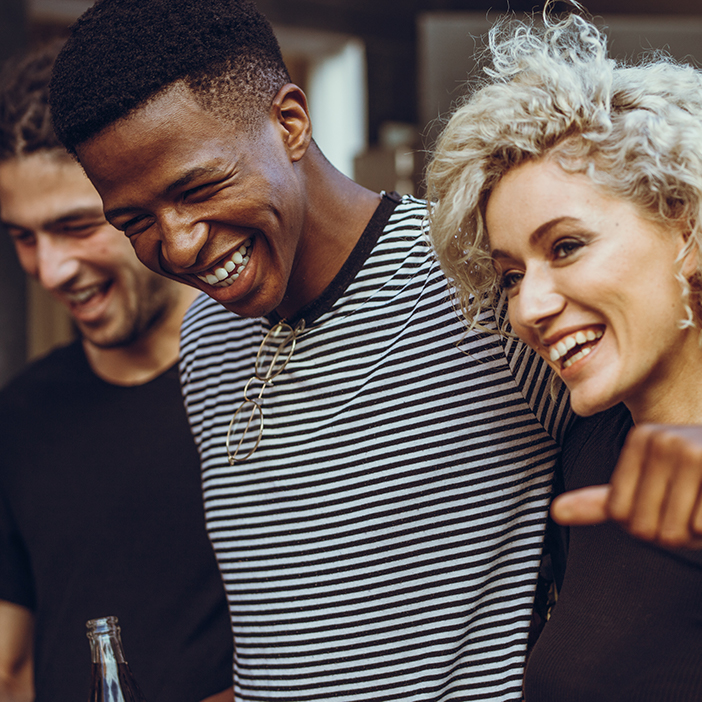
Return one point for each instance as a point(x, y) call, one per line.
point(224, 274)
point(80, 297)
point(574, 347)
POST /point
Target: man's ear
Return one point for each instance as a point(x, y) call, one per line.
point(289, 111)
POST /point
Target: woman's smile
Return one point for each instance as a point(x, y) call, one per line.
point(591, 285)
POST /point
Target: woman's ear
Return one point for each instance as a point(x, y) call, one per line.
point(690, 256)
point(290, 113)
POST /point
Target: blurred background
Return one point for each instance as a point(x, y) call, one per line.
point(379, 76)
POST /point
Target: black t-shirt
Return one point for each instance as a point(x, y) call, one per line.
point(627, 626)
point(101, 514)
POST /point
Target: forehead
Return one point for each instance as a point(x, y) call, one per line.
point(157, 142)
point(43, 186)
point(536, 192)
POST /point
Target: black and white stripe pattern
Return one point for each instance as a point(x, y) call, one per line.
point(383, 541)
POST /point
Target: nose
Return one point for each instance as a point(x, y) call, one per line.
point(57, 263)
point(538, 299)
point(182, 240)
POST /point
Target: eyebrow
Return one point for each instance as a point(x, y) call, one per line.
point(190, 176)
point(187, 178)
point(536, 236)
point(71, 216)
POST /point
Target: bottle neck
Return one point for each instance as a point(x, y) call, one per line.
point(105, 641)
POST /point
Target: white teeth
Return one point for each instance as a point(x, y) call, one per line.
point(81, 296)
point(570, 342)
point(577, 357)
point(225, 274)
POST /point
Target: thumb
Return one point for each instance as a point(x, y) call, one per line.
point(582, 507)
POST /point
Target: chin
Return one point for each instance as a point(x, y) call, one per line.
point(586, 407)
point(110, 338)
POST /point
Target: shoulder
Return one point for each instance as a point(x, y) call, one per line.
point(592, 444)
point(61, 367)
point(408, 222)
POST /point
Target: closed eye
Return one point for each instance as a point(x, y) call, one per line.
point(190, 193)
point(21, 236)
point(134, 226)
point(202, 192)
point(80, 229)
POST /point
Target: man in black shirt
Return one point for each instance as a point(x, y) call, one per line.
point(100, 505)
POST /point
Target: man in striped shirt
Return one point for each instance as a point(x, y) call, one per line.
point(376, 479)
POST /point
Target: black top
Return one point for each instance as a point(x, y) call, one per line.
point(101, 514)
point(627, 626)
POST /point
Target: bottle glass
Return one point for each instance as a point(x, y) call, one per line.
point(112, 680)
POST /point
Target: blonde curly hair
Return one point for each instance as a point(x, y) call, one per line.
point(552, 91)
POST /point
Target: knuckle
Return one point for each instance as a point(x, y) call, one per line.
point(642, 530)
point(619, 510)
point(664, 444)
point(674, 538)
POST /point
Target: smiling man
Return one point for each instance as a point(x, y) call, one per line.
point(378, 512)
point(100, 507)
point(376, 477)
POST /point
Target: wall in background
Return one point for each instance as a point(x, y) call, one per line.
point(448, 42)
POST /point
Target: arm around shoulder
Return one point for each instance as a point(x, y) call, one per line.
point(655, 492)
point(16, 643)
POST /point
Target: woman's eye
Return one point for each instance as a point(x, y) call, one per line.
point(510, 280)
point(566, 247)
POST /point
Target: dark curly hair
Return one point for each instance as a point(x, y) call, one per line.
point(123, 53)
point(25, 122)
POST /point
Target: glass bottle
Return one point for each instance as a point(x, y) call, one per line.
point(112, 681)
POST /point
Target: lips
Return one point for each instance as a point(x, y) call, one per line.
point(86, 304)
point(575, 346)
point(80, 297)
point(227, 271)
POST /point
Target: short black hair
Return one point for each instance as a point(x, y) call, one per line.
point(123, 53)
point(25, 121)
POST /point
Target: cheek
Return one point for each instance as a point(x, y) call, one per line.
point(524, 332)
point(27, 257)
point(146, 249)
point(527, 334)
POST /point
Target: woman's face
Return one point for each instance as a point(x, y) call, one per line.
point(591, 286)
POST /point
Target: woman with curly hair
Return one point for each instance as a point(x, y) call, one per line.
point(572, 185)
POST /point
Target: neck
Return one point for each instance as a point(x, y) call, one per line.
point(337, 213)
point(148, 356)
point(675, 395)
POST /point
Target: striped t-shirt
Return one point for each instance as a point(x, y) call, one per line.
point(383, 541)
